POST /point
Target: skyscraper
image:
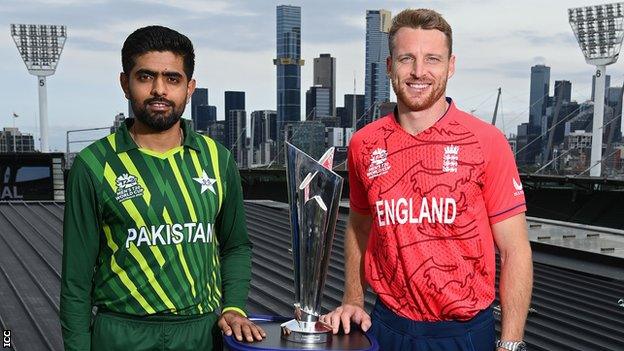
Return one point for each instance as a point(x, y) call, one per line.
point(563, 87)
point(236, 125)
point(325, 76)
point(199, 98)
point(204, 115)
point(607, 85)
point(288, 64)
point(308, 136)
point(216, 131)
point(553, 130)
point(348, 114)
point(340, 115)
point(377, 84)
point(263, 127)
point(376, 111)
point(553, 125)
point(318, 102)
point(212, 113)
point(613, 128)
point(538, 95)
point(538, 102)
point(234, 100)
point(263, 136)
point(522, 139)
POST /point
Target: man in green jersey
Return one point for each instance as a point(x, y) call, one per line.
point(154, 231)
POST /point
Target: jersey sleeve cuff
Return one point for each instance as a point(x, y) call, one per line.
point(510, 212)
point(235, 309)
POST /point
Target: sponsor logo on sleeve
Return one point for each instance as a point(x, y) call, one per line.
point(518, 186)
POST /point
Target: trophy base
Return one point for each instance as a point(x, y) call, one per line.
point(356, 340)
point(305, 332)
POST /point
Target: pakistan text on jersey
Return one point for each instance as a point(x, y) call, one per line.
point(401, 211)
point(167, 234)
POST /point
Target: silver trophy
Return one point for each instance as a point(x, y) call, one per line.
point(313, 194)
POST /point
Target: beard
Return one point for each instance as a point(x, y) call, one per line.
point(159, 121)
point(422, 102)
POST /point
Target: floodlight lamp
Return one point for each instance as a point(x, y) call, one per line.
point(40, 46)
point(599, 31)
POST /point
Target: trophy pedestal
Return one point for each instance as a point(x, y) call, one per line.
point(356, 340)
point(305, 332)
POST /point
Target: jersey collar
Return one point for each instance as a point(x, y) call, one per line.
point(450, 111)
point(125, 143)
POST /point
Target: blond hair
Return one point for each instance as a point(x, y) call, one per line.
point(423, 19)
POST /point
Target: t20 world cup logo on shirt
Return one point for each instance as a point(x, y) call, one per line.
point(379, 163)
point(127, 187)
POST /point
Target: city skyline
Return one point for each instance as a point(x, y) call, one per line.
point(491, 51)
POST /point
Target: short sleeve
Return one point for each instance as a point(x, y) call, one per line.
point(502, 188)
point(358, 201)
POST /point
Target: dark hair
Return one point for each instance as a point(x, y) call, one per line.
point(420, 18)
point(157, 38)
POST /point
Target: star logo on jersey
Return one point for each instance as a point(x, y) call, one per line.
point(206, 182)
point(127, 187)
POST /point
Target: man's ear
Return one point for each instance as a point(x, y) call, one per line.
point(190, 88)
point(451, 70)
point(125, 84)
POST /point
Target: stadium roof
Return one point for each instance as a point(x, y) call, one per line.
point(576, 298)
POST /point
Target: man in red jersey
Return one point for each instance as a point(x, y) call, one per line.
point(432, 191)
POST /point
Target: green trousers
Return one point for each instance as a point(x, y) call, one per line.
point(113, 331)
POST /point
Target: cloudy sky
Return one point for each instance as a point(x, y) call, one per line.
point(496, 43)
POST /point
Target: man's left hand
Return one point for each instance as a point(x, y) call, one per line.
point(232, 322)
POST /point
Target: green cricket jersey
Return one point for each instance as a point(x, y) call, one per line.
point(148, 233)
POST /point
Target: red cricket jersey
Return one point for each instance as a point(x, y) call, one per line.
point(433, 198)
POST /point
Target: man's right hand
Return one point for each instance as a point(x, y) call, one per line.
point(346, 314)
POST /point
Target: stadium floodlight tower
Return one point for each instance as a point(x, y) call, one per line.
point(598, 30)
point(40, 47)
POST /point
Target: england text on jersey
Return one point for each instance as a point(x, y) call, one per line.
point(402, 210)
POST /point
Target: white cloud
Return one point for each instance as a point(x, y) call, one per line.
point(202, 7)
point(496, 43)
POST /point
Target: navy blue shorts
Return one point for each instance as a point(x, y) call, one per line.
point(397, 333)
